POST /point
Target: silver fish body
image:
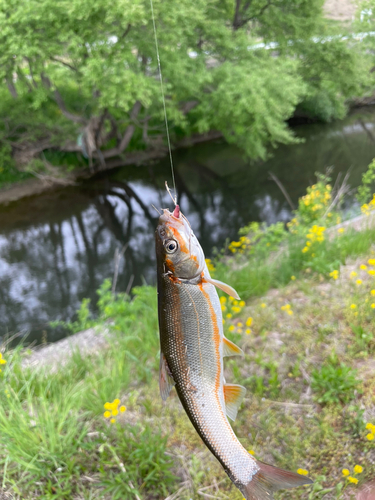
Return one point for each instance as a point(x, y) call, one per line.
point(192, 347)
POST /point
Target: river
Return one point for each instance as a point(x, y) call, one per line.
point(58, 247)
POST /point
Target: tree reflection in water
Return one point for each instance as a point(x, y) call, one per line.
point(57, 248)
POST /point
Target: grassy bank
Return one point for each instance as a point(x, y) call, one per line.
point(96, 428)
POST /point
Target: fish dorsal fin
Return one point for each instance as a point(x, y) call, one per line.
point(223, 286)
point(231, 349)
point(166, 381)
point(233, 396)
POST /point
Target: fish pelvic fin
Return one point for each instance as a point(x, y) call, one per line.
point(231, 349)
point(233, 396)
point(166, 381)
point(223, 286)
point(269, 479)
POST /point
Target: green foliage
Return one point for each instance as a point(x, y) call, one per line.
point(365, 190)
point(334, 382)
point(91, 77)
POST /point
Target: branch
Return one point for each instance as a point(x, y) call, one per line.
point(11, 87)
point(60, 102)
point(125, 32)
point(126, 138)
point(64, 63)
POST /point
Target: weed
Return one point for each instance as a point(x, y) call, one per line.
point(334, 382)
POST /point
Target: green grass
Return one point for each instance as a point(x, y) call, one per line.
point(307, 369)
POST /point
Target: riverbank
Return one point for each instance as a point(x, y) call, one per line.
point(308, 369)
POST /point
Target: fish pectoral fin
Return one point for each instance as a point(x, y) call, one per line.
point(233, 396)
point(166, 381)
point(223, 286)
point(231, 349)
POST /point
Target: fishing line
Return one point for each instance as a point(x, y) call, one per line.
point(162, 93)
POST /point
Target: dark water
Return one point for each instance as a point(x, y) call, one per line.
point(57, 248)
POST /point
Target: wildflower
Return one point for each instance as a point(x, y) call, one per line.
point(358, 469)
point(371, 272)
point(122, 408)
point(236, 309)
point(372, 306)
point(353, 480)
point(223, 299)
point(285, 308)
point(107, 414)
point(363, 267)
point(353, 306)
point(345, 472)
point(2, 360)
point(239, 330)
point(372, 292)
point(292, 278)
point(359, 282)
point(210, 265)
point(341, 230)
point(290, 312)
point(240, 325)
point(242, 303)
point(305, 249)
point(370, 427)
point(248, 331)
point(115, 412)
point(223, 308)
point(303, 472)
point(370, 436)
point(263, 305)
point(231, 328)
point(249, 321)
point(334, 274)
point(371, 262)
point(235, 302)
point(113, 420)
point(229, 315)
point(353, 274)
point(252, 452)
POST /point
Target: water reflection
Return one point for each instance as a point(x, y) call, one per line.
point(57, 248)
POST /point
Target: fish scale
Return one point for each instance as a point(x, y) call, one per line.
point(192, 346)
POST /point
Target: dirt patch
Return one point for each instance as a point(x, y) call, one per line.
point(340, 10)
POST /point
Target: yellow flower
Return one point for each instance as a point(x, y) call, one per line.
point(305, 249)
point(353, 306)
point(303, 472)
point(242, 303)
point(115, 413)
point(252, 452)
point(359, 282)
point(370, 436)
point(372, 306)
point(290, 312)
point(239, 330)
point(240, 325)
point(353, 274)
point(363, 267)
point(358, 469)
point(107, 414)
point(371, 272)
point(231, 328)
point(223, 308)
point(345, 472)
point(113, 420)
point(235, 302)
point(369, 426)
point(236, 309)
point(2, 360)
point(249, 321)
point(248, 331)
point(372, 292)
point(210, 266)
point(116, 402)
point(353, 480)
point(229, 315)
point(371, 262)
point(108, 406)
point(341, 230)
point(223, 299)
point(334, 274)
point(292, 278)
point(122, 408)
point(263, 305)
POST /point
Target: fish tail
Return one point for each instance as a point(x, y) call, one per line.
point(269, 479)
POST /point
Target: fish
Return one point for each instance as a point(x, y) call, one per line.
point(192, 347)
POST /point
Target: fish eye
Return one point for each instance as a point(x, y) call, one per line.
point(171, 246)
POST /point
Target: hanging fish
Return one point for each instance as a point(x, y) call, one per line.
point(191, 359)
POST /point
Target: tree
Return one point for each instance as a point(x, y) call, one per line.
point(82, 75)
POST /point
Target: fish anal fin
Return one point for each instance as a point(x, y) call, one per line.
point(269, 479)
point(223, 286)
point(231, 349)
point(233, 396)
point(166, 381)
